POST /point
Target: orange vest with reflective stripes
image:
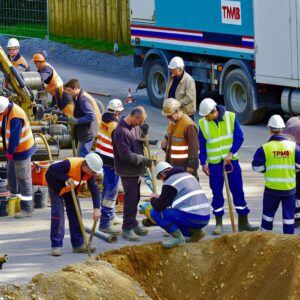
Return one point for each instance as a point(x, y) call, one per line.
point(26, 138)
point(75, 173)
point(178, 146)
point(95, 106)
point(21, 61)
point(55, 83)
point(104, 144)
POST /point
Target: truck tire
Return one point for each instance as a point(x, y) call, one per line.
point(238, 97)
point(156, 81)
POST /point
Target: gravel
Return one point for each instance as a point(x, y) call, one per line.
point(109, 63)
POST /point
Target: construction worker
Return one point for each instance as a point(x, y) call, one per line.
point(104, 148)
point(86, 119)
point(220, 138)
point(19, 146)
point(181, 144)
point(182, 208)
point(181, 86)
point(278, 159)
point(53, 84)
point(18, 61)
point(292, 131)
point(130, 165)
point(59, 177)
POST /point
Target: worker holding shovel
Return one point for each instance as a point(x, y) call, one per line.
point(64, 178)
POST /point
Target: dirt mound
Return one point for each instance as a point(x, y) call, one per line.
point(237, 266)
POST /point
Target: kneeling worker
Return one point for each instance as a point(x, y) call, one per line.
point(182, 209)
point(58, 176)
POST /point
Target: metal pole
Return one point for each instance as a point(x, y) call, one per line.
point(48, 20)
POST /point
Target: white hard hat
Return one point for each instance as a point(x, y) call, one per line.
point(3, 104)
point(161, 167)
point(176, 62)
point(115, 105)
point(170, 105)
point(94, 162)
point(206, 106)
point(13, 43)
point(276, 122)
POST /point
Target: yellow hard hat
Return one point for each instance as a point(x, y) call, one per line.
point(170, 106)
point(38, 57)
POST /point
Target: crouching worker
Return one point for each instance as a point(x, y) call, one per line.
point(58, 176)
point(182, 208)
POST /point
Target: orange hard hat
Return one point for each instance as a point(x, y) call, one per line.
point(38, 57)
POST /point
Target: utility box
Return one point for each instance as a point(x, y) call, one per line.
point(142, 11)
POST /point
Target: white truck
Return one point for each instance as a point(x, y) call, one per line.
point(246, 50)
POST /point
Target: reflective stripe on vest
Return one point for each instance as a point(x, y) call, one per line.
point(219, 138)
point(280, 165)
point(95, 106)
point(190, 197)
point(104, 144)
point(55, 82)
point(75, 174)
point(26, 137)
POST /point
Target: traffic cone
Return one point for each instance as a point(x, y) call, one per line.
point(129, 98)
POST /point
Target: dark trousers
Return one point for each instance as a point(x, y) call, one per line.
point(131, 187)
point(58, 220)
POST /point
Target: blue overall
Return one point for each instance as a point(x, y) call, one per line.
point(109, 195)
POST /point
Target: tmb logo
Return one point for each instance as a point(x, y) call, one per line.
point(231, 12)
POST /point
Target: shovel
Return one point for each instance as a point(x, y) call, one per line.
point(229, 199)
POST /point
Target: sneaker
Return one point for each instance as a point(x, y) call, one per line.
point(116, 220)
point(140, 230)
point(56, 251)
point(23, 214)
point(83, 249)
point(110, 230)
point(130, 235)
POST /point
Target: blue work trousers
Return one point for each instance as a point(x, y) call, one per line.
point(84, 148)
point(58, 220)
point(109, 195)
point(216, 182)
point(172, 219)
point(270, 206)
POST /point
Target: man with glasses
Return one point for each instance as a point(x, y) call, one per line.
point(18, 61)
point(220, 138)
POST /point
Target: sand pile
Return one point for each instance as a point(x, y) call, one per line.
point(237, 266)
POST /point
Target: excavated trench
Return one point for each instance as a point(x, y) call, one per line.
point(237, 266)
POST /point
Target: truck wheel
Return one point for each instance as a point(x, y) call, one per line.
point(156, 80)
point(238, 97)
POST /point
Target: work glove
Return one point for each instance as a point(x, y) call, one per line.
point(69, 182)
point(72, 121)
point(143, 206)
point(9, 156)
point(147, 162)
point(144, 128)
point(153, 142)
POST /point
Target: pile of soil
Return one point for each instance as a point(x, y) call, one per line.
point(236, 266)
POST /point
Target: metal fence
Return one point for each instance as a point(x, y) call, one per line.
point(26, 18)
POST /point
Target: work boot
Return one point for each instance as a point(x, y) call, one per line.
point(244, 225)
point(218, 229)
point(56, 251)
point(140, 230)
point(83, 249)
point(176, 240)
point(130, 235)
point(196, 235)
point(116, 220)
point(110, 230)
point(23, 214)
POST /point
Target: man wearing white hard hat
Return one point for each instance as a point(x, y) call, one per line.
point(58, 177)
point(104, 147)
point(220, 138)
point(181, 86)
point(19, 146)
point(18, 61)
point(278, 159)
point(182, 208)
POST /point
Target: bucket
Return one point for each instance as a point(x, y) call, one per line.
point(40, 197)
point(3, 207)
point(12, 202)
point(38, 171)
point(120, 198)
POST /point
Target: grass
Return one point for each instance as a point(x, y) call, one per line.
point(25, 30)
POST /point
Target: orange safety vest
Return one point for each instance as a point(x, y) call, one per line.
point(21, 61)
point(55, 83)
point(75, 173)
point(104, 144)
point(26, 138)
point(178, 146)
point(95, 106)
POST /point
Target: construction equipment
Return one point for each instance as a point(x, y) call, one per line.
point(3, 259)
point(103, 236)
point(229, 198)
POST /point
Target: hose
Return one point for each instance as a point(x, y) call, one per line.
point(46, 144)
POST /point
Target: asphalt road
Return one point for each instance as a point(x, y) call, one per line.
point(27, 241)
